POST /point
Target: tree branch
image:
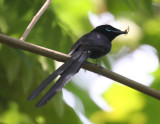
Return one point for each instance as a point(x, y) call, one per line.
point(16, 43)
point(35, 19)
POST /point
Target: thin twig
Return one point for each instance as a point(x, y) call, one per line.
point(16, 43)
point(35, 19)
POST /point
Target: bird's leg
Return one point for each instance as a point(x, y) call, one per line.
point(97, 63)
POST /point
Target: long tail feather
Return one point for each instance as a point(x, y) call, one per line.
point(51, 77)
point(65, 77)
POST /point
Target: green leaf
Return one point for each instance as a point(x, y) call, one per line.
point(11, 62)
point(26, 76)
point(58, 104)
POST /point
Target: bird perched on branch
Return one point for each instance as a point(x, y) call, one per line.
point(94, 44)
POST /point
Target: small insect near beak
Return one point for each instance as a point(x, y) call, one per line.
point(123, 32)
point(126, 31)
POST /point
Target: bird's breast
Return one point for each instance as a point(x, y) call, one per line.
point(99, 45)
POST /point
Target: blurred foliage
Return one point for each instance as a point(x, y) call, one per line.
point(58, 28)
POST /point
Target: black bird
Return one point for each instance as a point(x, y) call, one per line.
point(94, 44)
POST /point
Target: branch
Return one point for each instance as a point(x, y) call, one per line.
point(35, 19)
point(16, 43)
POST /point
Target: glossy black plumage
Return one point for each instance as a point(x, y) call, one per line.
point(94, 44)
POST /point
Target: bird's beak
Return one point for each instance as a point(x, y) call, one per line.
point(125, 32)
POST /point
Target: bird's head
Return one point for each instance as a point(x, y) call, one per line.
point(110, 31)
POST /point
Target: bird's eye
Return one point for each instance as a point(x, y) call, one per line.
point(109, 30)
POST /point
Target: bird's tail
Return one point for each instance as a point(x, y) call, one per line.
point(66, 71)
